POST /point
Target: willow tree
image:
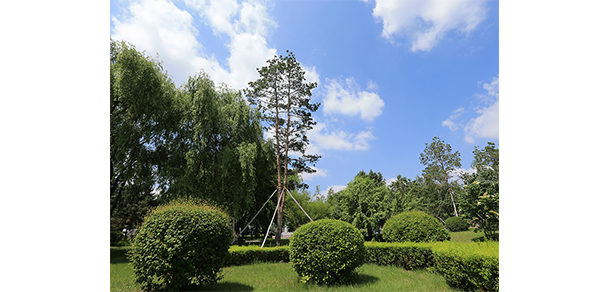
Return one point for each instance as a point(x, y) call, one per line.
point(283, 96)
point(142, 118)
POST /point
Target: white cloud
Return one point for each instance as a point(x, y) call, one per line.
point(310, 74)
point(345, 97)
point(450, 121)
point(487, 122)
point(486, 125)
point(160, 26)
point(311, 176)
point(322, 139)
point(425, 22)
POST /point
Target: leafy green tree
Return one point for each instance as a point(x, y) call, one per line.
point(363, 203)
point(481, 200)
point(142, 118)
point(283, 96)
point(439, 161)
point(481, 203)
point(219, 153)
point(404, 195)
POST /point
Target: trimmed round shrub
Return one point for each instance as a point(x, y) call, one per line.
point(415, 227)
point(326, 251)
point(456, 224)
point(181, 244)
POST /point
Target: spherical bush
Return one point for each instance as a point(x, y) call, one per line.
point(415, 227)
point(326, 251)
point(456, 224)
point(181, 244)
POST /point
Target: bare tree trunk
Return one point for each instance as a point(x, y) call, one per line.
point(280, 215)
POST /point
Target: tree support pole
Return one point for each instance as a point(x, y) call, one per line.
point(266, 234)
point(254, 217)
point(295, 200)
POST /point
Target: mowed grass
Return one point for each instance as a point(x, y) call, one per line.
point(281, 277)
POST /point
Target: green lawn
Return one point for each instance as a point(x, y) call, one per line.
point(281, 277)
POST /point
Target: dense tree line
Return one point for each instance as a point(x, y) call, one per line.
point(206, 141)
point(369, 201)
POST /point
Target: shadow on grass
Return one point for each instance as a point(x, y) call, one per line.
point(226, 286)
point(118, 256)
point(364, 279)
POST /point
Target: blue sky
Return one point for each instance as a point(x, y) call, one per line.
point(391, 74)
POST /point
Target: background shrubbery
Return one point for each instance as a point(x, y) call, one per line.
point(455, 224)
point(326, 251)
point(415, 227)
point(180, 244)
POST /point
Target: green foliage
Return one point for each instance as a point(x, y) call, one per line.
point(243, 255)
point(414, 226)
point(142, 119)
point(470, 266)
point(467, 266)
point(115, 237)
point(439, 161)
point(405, 195)
point(456, 224)
point(181, 244)
point(326, 251)
point(481, 203)
point(363, 202)
point(408, 255)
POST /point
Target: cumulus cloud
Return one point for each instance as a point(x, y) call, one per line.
point(487, 122)
point(322, 138)
point(160, 26)
point(425, 22)
point(310, 176)
point(486, 125)
point(345, 97)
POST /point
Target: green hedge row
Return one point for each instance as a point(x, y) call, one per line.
point(468, 266)
point(243, 255)
point(410, 256)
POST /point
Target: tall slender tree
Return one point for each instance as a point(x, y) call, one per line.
point(439, 162)
point(284, 98)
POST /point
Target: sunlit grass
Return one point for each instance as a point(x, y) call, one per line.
point(281, 277)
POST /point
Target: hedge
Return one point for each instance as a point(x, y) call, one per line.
point(468, 266)
point(243, 255)
point(408, 255)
